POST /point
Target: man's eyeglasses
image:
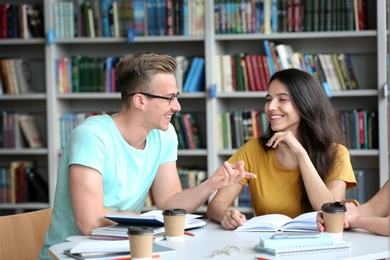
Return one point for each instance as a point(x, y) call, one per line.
point(170, 99)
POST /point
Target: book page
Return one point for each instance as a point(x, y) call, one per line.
point(304, 222)
point(269, 222)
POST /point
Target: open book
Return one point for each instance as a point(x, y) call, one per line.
point(154, 218)
point(305, 222)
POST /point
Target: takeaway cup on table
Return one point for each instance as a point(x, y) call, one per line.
point(174, 223)
point(333, 213)
point(141, 242)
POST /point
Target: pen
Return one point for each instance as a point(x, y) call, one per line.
point(189, 233)
point(129, 258)
point(261, 258)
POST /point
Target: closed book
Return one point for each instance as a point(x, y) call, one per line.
point(105, 6)
point(250, 73)
point(268, 240)
point(339, 73)
point(227, 74)
point(263, 73)
point(186, 120)
point(37, 187)
point(240, 81)
point(196, 130)
point(35, 20)
point(296, 250)
point(198, 83)
point(321, 75)
point(30, 131)
point(267, 5)
point(176, 118)
point(4, 21)
point(284, 52)
point(270, 58)
point(110, 247)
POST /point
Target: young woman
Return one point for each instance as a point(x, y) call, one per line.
point(300, 162)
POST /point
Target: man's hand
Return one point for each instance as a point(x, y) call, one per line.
point(229, 174)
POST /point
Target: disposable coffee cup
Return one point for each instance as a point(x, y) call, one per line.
point(333, 213)
point(141, 242)
point(174, 222)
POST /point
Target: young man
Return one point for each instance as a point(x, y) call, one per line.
point(110, 162)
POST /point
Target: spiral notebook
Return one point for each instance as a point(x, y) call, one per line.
point(296, 250)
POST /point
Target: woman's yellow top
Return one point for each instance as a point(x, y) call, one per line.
point(277, 189)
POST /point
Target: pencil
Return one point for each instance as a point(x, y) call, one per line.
point(189, 233)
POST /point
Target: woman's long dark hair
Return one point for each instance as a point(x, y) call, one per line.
point(319, 127)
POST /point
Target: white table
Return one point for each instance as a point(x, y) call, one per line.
point(364, 246)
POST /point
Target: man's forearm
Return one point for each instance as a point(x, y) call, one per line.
point(190, 199)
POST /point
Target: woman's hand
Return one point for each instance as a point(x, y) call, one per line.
point(233, 219)
point(285, 139)
point(321, 225)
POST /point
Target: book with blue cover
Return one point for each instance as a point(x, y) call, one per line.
point(195, 79)
point(296, 250)
point(269, 240)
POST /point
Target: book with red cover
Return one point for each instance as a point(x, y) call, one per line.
point(4, 21)
point(256, 71)
point(362, 14)
point(249, 73)
point(267, 70)
point(262, 73)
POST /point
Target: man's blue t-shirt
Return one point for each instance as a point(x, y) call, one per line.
point(127, 173)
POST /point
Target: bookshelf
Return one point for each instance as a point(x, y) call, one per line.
point(32, 49)
point(367, 48)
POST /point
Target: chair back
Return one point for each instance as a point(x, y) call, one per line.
point(22, 235)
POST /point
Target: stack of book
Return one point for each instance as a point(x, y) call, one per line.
point(110, 250)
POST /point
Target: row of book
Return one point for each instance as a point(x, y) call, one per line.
point(81, 73)
point(186, 126)
point(128, 18)
point(189, 176)
point(15, 76)
point(272, 16)
point(21, 182)
point(359, 128)
point(21, 21)
point(334, 71)
point(367, 181)
point(252, 72)
point(19, 130)
point(240, 126)
point(188, 130)
point(69, 121)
